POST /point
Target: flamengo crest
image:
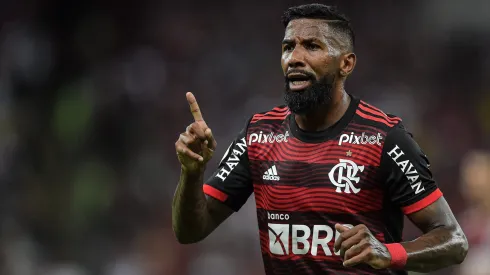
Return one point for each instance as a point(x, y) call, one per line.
point(343, 175)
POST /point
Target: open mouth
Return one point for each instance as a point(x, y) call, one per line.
point(298, 81)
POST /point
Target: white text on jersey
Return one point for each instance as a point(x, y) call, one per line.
point(407, 168)
point(300, 239)
point(239, 149)
point(271, 174)
point(267, 138)
point(362, 139)
point(276, 216)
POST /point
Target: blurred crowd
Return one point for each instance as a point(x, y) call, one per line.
point(92, 99)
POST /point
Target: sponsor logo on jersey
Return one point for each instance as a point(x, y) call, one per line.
point(305, 239)
point(362, 139)
point(271, 174)
point(407, 168)
point(267, 138)
point(277, 216)
point(344, 175)
point(233, 153)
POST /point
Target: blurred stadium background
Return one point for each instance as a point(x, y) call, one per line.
point(92, 99)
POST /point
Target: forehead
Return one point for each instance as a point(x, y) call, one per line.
point(306, 28)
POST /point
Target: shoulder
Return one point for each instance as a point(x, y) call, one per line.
point(392, 125)
point(275, 115)
point(376, 117)
point(269, 126)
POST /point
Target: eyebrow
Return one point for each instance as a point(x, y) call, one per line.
point(291, 41)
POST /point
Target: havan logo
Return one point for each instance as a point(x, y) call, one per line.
point(407, 168)
point(239, 148)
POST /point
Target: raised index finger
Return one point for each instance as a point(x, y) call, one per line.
point(196, 112)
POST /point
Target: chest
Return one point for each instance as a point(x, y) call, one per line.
point(339, 175)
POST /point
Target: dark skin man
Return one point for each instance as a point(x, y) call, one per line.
point(312, 53)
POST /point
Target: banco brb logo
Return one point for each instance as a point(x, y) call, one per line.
point(304, 239)
point(278, 238)
point(346, 176)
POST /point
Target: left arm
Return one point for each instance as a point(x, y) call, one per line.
point(443, 243)
point(410, 185)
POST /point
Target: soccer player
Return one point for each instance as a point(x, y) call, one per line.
point(333, 176)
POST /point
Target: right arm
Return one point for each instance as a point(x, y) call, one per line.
point(194, 214)
point(198, 208)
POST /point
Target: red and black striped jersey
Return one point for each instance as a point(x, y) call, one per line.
point(365, 169)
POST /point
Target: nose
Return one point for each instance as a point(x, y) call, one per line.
point(296, 58)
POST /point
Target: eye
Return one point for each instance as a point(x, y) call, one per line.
point(287, 48)
point(312, 46)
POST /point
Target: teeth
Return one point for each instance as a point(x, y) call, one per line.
point(299, 82)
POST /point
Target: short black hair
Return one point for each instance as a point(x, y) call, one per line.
point(336, 20)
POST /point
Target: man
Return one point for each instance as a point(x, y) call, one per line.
point(332, 175)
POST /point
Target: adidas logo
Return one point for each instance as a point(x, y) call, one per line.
point(271, 174)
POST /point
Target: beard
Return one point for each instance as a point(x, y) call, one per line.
point(318, 94)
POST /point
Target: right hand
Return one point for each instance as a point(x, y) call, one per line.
point(195, 147)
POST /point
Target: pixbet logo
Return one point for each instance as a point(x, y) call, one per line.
point(346, 172)
point(267, 138)
point(300, 239)
point(362, 139)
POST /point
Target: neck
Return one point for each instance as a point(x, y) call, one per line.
point(325, 116)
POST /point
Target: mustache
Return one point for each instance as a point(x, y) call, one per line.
point(298, 71)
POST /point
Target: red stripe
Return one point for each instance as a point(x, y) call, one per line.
point(306, 159)
point(269, 118)
point(377, 110)
point(423, 203)
point(271, 114)
point(317, 180)
point(274, 114)
point(296, 145)
point(280, 109)
point(366, 116)
point(321, 199)
point(374, 111)
point(326, 204)
point(360, 157)
point(365, 128)
point(215, 193)
point(295, 150)
point(332, 158)
point(292, 194)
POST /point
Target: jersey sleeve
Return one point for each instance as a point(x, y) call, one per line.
point(406, 171)
point(231, 183)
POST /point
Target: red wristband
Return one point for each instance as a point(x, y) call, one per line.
point(398, 255)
